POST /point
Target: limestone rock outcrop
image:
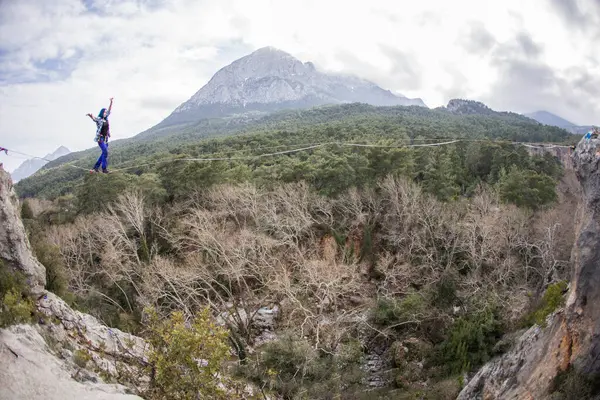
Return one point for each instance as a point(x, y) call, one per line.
point(44, 360)
point(29, 370)
point(268, 80)
point(14, 245)
point(571, 339)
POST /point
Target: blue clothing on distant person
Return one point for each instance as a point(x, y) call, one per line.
point(103, 159)
point(102, 135)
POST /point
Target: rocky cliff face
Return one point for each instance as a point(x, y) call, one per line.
point(270, 79)
point(471, 107)
point(14, 246)
point(571, 340)
point(41, 361)
point(562, 153)
point(467, 107)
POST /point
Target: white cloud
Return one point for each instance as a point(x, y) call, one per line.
point(152, 55)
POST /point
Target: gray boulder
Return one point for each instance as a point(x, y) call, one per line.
point(29, 370)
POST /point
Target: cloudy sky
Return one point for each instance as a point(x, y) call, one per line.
point(61, 59)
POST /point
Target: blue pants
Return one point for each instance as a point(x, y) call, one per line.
point(103, 159)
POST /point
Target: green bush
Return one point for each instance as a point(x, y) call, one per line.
point(186, 357)
point(553, 299)
point(291, 367)
point(469, 342)
point(26, 211)
point(444, 294)
point(56, 277)
point(393, 312)
point(81, 358)
point(17, 306)
point(16, 309)
point(526, 188)
point(99, 190)
point(48, 255)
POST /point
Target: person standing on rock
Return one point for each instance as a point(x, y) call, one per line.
point(102, 135)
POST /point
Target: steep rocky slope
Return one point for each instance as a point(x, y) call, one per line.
point(14, 246)
point(270, 79)
point(30, 371)
point(40, 361)
point(571, 341)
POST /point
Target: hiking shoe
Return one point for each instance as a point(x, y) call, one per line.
point(105, 171)
point(93, 170)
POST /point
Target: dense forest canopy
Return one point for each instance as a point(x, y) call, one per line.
point(446, 171)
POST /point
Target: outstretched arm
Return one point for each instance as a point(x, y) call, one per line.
point(110, 105)
point(92, 117)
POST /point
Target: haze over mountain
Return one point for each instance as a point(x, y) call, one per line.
point(547, 118)
point(270, 79)
point(29, 167)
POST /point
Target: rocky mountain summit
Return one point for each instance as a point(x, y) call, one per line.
point(467, 107)
point(569, 347)
point(270, 79)
point(472, 107)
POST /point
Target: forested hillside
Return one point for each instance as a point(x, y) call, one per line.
point(337, 270)
point(332, 168)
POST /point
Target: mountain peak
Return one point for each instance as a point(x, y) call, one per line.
point(29, 167)
point(270, 53)
point(463, 106)
point(270, 50)
point(270, 79)
point(547, 118)
point(59, 152)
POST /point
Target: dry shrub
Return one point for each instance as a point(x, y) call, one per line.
point(288, 213)
point(107, 252)
point(246, 266)
point(554, 230)
point(486, 246)
point(38, 206)
point(78, 244)
point(328, 283)
point(237, 248)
